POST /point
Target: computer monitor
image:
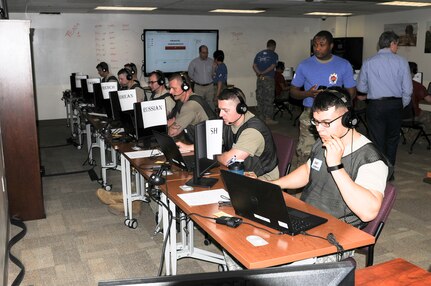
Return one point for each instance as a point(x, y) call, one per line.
point(125, 117)
point(144, 135)
point(86, 96)
point(75, 82)
point(337, 273)
point(202, 163)
point(418, 77)
point(99, 101)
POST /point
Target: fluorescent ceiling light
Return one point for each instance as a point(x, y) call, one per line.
point(123, 8)
point(405, 3)
point(327, 14)
point(237, 11)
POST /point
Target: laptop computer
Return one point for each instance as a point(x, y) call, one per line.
point(172, 153)
point(263, 202)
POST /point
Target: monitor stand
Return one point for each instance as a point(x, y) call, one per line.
point(202, 182)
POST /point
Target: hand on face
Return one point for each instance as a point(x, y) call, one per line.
point(334, 150)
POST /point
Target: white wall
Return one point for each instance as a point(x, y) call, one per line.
point(67, 43)
point(374, 25)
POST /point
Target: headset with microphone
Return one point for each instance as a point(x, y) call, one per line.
point(161, 80)
point(349, 119)
point(185, 86)
point(241, 107)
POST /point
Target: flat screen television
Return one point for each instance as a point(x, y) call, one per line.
point(172, 50)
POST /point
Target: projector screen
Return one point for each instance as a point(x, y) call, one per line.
point(172, 50)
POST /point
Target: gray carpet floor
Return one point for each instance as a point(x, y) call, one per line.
point(81, 243)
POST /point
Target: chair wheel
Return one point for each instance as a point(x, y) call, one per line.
point(108, 187)
point(207, 242)
point(133, 223)
point(126, 222)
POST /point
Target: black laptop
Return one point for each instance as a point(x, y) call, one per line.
point(170, 149)
point(263, 202)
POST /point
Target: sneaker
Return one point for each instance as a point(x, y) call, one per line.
point(269, 121)
point(109, 198)
point(118, 208)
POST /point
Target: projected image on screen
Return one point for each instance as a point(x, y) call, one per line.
point(172, 50)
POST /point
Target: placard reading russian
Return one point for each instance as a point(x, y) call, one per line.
point(90, 82)
point(154, 113)
point(214, 132)
point(107, 87)
point(127, 98)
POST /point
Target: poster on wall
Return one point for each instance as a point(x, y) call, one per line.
point(406, 31)
point(428, 38)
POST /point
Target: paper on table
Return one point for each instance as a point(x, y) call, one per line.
point(143, 154)
point(204, 197)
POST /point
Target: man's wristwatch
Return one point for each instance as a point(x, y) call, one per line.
point(334, 168)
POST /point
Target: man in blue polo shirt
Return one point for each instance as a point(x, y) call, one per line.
point(322, 70)
point(264, 66)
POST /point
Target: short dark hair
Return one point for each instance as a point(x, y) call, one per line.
point(219, 55)
point(413, 67)
point(271, 43)
point(132, 67)
point(386, 38)
point(231, 93)
point(325, 34)
point(331, 97)
point(125, 71)
point(280, 65)
point(181, 77)
point(103, 66)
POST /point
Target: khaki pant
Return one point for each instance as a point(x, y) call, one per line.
point(307, 136)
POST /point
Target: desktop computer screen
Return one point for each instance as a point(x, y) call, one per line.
point(338, 273)
point(202, 163)
point(144, 135)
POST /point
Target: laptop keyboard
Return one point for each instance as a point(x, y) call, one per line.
point(300, 220)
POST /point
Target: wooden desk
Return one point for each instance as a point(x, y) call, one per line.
point(281, 249)
point(394, 272)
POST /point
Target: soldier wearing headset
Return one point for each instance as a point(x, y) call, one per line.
point(157, 84)
point(245, 137)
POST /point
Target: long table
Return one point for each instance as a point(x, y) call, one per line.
point(281, 249)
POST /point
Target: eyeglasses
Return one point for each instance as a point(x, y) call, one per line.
point(151, 82)
point(324, 123)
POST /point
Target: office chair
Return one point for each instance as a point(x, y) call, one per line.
point(285, 150)
point(375, 226)
point(410, 123)
point(281, 104)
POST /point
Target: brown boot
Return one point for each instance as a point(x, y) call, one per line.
point(118, 208)
point(109, 198)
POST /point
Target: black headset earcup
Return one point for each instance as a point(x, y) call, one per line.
point(241, 108)
point(184, 85)
point(129, 75)
point(350, 119)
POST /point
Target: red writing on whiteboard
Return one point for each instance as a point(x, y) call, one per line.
point(73, 31)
